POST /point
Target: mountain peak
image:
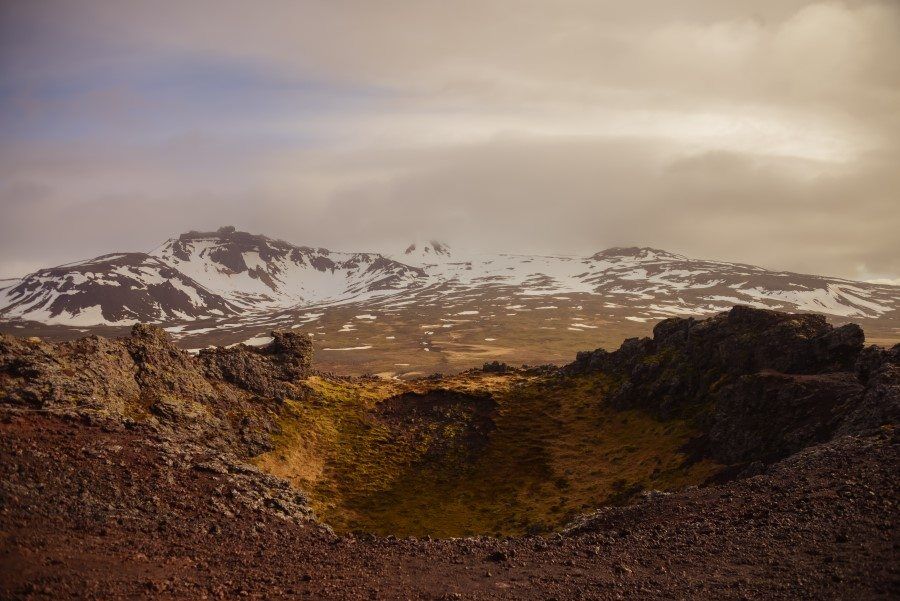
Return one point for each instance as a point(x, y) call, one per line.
point(426, 253)
point(226, 233)
point(639, 253)
point(432, 247)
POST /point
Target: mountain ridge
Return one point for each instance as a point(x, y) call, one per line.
point(255, 271)
point(444, 312)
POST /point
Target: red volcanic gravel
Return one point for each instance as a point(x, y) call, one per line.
point(98, 511)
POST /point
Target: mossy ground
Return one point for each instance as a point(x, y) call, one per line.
point(557, 449)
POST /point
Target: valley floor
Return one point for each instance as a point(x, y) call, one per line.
point(98, 510)
point(436, 335)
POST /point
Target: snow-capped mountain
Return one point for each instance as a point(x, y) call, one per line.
point(111, 289)
point(670, 284)
point(228, 286)
point(659, 283)
point(256, 272)
point(425, 254)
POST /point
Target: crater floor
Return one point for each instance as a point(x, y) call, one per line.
point(474, 454)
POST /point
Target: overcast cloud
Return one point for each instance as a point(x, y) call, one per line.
point(765, 132)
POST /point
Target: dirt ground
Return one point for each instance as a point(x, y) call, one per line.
point(100, 511)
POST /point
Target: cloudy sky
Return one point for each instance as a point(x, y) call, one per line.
point(763, 131)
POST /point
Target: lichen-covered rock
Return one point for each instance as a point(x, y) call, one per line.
point(291, 354)
point(269, 371)
point(164, 369)
point(687, 359)
point(188, 416)
point(145, 376)
point(89, 372)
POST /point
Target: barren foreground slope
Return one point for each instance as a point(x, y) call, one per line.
point(750, 455)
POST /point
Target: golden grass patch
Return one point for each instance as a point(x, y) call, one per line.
point(556, 449)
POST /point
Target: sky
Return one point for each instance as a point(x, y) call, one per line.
point(764, 132)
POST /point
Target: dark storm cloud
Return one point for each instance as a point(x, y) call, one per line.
point(764, 132)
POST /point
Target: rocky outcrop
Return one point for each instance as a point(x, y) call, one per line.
point(762, 384)
point(268, 371)
point(162, 369)
point(768, 415)
point(496, 367)
point(89, 372)
point(879, 370)
point(685, 356)
point(222, 398)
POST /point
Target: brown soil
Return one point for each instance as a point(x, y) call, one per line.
point(98, 512)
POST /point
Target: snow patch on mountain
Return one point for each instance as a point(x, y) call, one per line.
point(261, 273)
point(228, 276)
point(425, 254)
point(116, 289)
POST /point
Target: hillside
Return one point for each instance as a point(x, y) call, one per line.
point(113, 290)
point(259, 273)
point(753, 438)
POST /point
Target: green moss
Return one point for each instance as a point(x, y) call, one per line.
point(556, 449)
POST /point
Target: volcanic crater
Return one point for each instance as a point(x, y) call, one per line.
point(681, 464)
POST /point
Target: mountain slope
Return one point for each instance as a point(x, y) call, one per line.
point(423, 254)
point(257, 272)
point(111, 289)
point(653, 275)
point(663, 283)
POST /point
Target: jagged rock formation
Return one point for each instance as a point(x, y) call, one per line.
point(267, 370)
point(496, 367)
point(223, 398)
point(762, 384)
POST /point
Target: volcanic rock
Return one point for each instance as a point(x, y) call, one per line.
point(268, 370)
